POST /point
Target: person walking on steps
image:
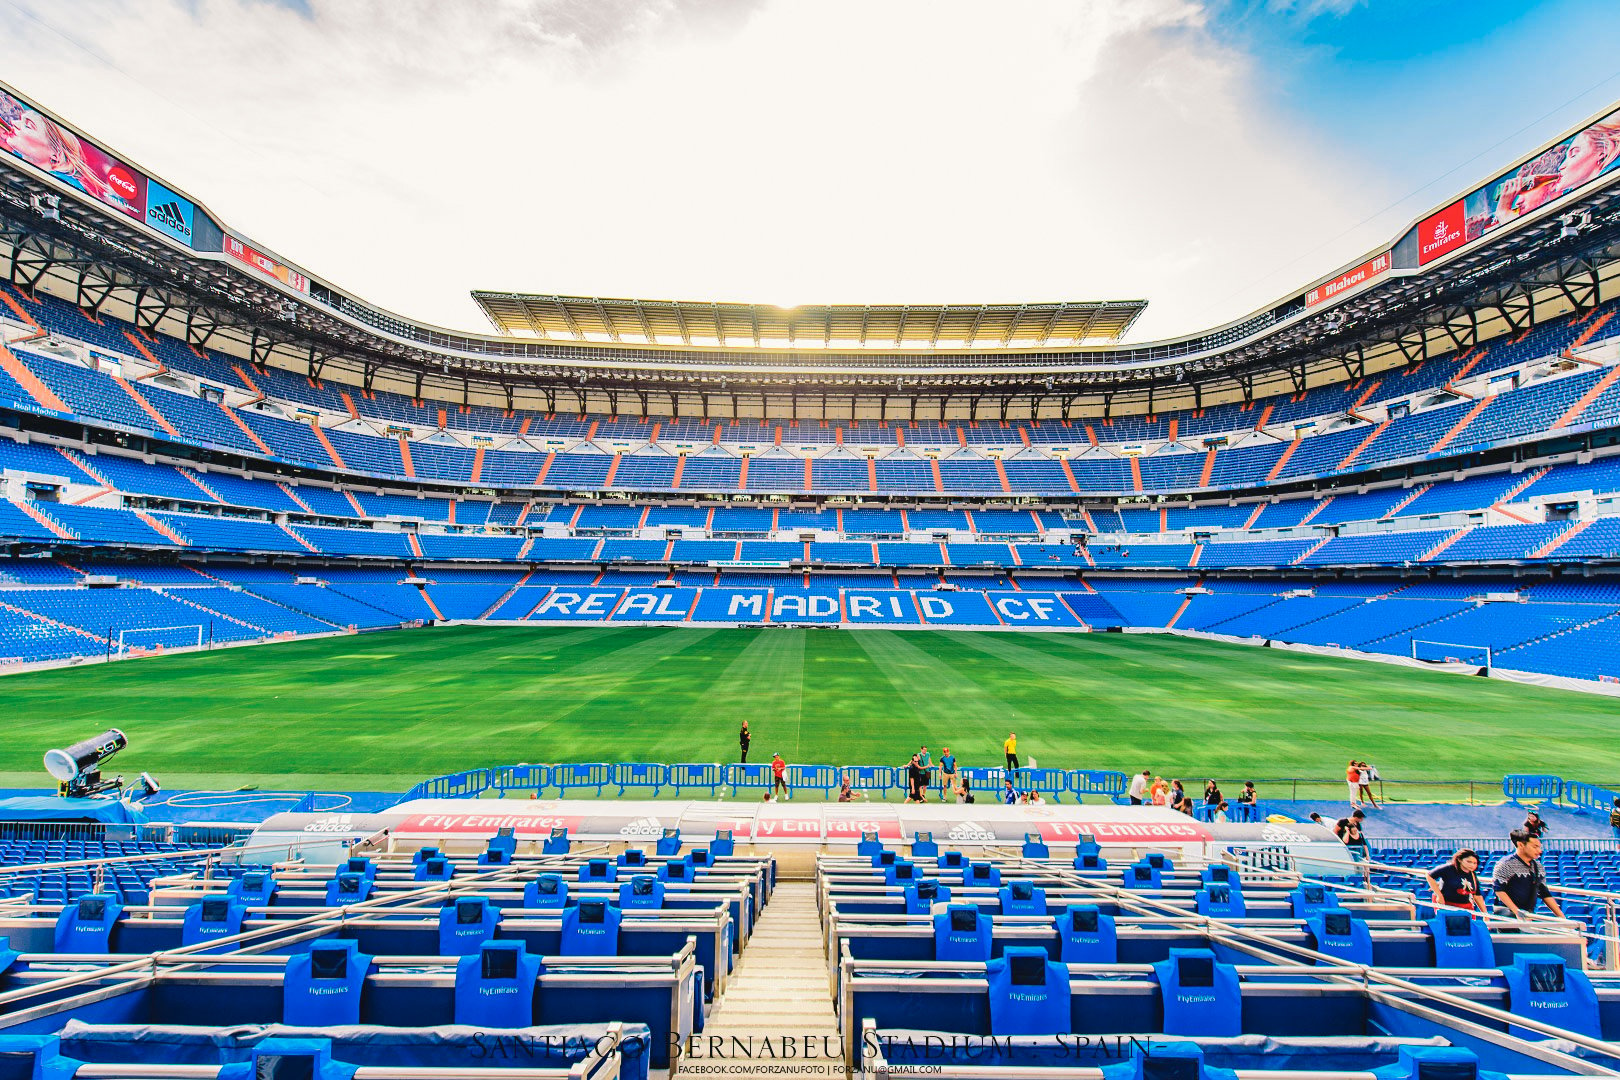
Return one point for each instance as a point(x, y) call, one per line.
point(743, 739)
point(1010, 747)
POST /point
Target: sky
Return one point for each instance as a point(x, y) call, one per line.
point(1209, 156)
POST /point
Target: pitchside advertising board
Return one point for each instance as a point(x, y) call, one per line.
point(636, 820)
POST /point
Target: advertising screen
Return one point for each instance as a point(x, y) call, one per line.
point(42, 142)
point(1348, 280)
point(1572, 164)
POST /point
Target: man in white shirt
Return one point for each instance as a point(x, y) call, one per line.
point(1139, 786)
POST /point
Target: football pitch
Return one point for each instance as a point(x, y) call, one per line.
point(382, 711)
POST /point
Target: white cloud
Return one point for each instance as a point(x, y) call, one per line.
point(410, 150)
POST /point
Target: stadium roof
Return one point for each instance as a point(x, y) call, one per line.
point(705, 324)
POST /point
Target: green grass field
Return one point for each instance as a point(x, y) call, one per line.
point(383, 711)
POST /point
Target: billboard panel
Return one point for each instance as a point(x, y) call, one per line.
point(29, 134)
point(169, 213)
point(1350, 279)
point(1559, 170)
point(1442, 233)
point(245, 253)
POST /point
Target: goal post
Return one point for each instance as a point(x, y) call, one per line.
point(1451, 652)
point(144, 640)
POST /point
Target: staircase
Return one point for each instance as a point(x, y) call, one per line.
point(779, 990)
point(507, 595)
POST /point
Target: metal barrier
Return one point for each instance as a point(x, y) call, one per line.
point(1533, 786)
point(641, 776)
point(594, 774)
point(1584, 797)
point(504, 778)
point(461, 785)
point(712, 777)
point(1053, 782)
point(749, 776)
point(878, 778)
point(822, 778)
point(1098, 782)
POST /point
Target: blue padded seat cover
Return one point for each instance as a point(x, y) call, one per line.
point(1087, 935)
point(85, 925)
point(1541, 987)
point(1460, 940)
point(1022, 898)
point(545, 892)
point(1200, 995)
point(323, 986)
point(211, 917)
point(591, 928)
point(962, 933)
point(1340, 934)
point(466, 925)
point(641, 891)
point(495, 986)
point(1029, 994)
point(922, 895)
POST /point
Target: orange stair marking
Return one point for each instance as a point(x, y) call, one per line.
point(939, 484)
point(478, 463)
point(1457, 429)
point(1001, 474)
point(613, 470)
point(1209, 467)
point(327, 443)
point(1363, 444)
point(348, 403)
point(249, 432)
point(1288, 452)
point(405, 457)
point(29, 381)
point(145, 405)
point(545, 466)
point(680, 467)
point(871, 474)
point(807, 462)
point(1136, 474)
point(1068, 474)
point(247, 380)
point(1591, 395)
point(742, 475)
point(1265, 416)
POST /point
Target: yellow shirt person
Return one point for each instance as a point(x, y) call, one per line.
point(1011, 749)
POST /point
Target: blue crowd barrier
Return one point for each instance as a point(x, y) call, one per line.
point(593, 774)
point(754, 776)
point(1097, 782)
point(461, 785)
point(879, 778)
point(1053, 782)
point(711, 777)
point(504, 778)
point(1589, 797)
point(1535, 787)
point(641, 775)
point(823, 778)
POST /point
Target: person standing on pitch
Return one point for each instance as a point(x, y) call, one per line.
point(778, 771)
point(947, 774)
point(1139, 787)
point(927, 764)
point(743, 739)
point(1010, 747)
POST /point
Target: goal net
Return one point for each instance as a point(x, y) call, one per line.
point(139, 641)
point(1451, 652)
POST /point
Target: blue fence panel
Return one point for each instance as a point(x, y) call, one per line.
point(879, 778)
point(459, 785)
point(596, 774)
point(1053, 782)
point(504, 778)
point(640, 775)
point(983, 779)
point(682, 777)
point(756, 776)
point(1532, 786)
point(823, 778)
point(1097, 782)
point(1583, 797)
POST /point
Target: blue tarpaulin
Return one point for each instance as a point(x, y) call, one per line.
point(50, 808)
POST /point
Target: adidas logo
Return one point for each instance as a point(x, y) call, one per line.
point(643, 827)
point(971, 830)
point(1277, 834)
point(169, 216)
